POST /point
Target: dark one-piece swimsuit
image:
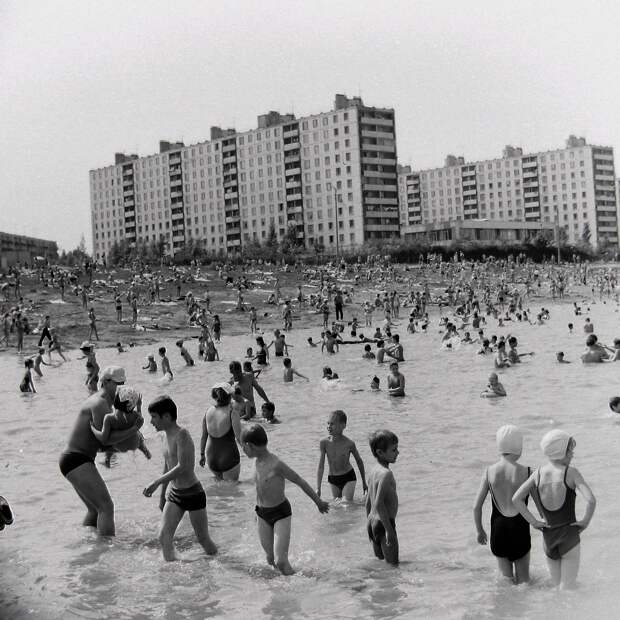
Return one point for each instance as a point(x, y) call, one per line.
point(560, 536)
point(510, 536)
point(222, 452)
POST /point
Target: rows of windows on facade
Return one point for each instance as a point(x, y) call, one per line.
point(333, 178)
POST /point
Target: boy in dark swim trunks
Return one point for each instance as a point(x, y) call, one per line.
point(186, 493)
point(273, 509)
point(382, 500)
point(338, 450)
point(510, 532)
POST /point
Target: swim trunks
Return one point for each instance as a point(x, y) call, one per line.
point(341, 480)
point(376, 531)
point(189, 499)
point(72, 460)
point(510, 536)
point(279, 353)
point(272, 514)
point(222, 452)
point(560, 536)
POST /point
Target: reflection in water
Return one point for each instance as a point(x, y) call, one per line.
point(59, 569)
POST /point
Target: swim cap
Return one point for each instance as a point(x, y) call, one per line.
point(127, 398)
point(554, 444)
point(509, 440)
point(223, 386)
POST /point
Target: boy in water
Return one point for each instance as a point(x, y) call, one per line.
point(289, 371)
point(241, 405)
point(338, 450)
point(382, 500)
point(273, 509)
point(374, 384)
point(553, 487)
point(494, 388)
point(268, 410)
point(186, 493)
point(151, 364)
point(165, 363)
point(27, 384)
point(510, 532)
point(185, 354)
point(396, 381)
point(560, 357)
point(38, 360)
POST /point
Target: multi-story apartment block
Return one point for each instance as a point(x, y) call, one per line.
point(332, 176)
point(573, 187)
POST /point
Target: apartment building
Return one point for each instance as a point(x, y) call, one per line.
point(574, 187)
point(332, 176)
point(22, 249)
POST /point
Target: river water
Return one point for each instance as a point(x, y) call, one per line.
point(54, 568)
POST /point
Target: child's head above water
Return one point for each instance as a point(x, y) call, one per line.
point(162, 351)
point(247, 366)
point(287, 362)
point(559, 356)
point(374, 383)
point(268, 410)
point(614, 404)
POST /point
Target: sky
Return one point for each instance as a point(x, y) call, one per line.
point(82, 79)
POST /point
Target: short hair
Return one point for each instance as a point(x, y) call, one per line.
point(614, 402)
point(234, 366)
point(380, 343)
point(340, 415)
point(268, 407)
point(163, 404)
point(247, 366)
point(560, 353)
point(254, 434)
point(591, 340)
point(381, 440)
point(29, 363)
point(162, 350)
point(286, 361)
point(220, 396)
point(394, 364)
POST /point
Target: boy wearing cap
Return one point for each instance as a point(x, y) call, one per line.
point(553, 487)
point(510, 532)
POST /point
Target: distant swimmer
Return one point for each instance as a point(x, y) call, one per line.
point(595, 352)
point(395, 381)
point(510, 532)
point(559, 356)
point(494, 388)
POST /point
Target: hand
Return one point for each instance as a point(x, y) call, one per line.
point(139, 422)
point(202, 460)
point(539, 525)
point(322, 506)
point(582, 525)
point(150, 489)
point(482, 538)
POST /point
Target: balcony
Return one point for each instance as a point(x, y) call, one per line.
point(288, 172)
point(179, 237)
point(230, 159)
point(370, 133)
point(228, 148)
point(177, 216)
point(128, 193)
point(229, 169)
point(293, 196)
point(291, 184)
point(231, 183)
point(295, 209)
point(231, 195)
point(379, 161)
point(291, 146)
point(233, 230)
point(174, 170)
point(233, 219)
point(289, 159)
point(291, 133)
point(376, 187)
point(129, 203)
point(233, 243)
point(129, 213)
point(386, 122)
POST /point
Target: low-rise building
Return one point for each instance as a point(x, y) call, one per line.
point(21, 249)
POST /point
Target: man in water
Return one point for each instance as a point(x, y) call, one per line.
point(77, 462)
point(247, 383)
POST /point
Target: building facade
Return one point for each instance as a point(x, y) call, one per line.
point(573, 187)
point(22, 249)
point(332, 176)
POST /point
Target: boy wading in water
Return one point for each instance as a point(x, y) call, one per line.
point(510, 532)
point(272, 507)
point(338, 450)
point(552, 488)
point(382, 500)
point(186, 493)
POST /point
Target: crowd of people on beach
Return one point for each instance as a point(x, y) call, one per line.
point(472, 296)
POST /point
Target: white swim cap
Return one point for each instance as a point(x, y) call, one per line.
point(509, 440)
point(554, 444)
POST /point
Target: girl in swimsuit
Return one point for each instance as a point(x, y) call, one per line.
point(510, 532)
point(221, 430)
point(553, 487)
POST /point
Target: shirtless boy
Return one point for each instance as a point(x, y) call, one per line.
point(289, 371)
point(338, 450)
point(165, 363)
point(382, 500)
point(396, 381)
point(272, 507)
point(186, 493)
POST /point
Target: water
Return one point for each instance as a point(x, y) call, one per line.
point(54, 568)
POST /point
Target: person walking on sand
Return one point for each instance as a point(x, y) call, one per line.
point(92, 324)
